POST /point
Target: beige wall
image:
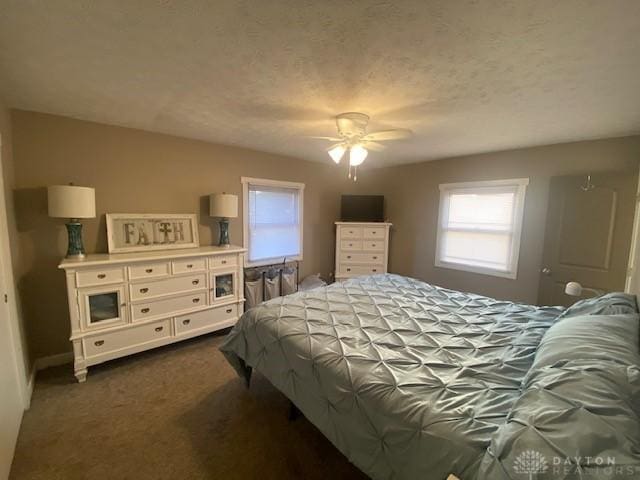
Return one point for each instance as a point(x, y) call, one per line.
point(412, 205)
point(137, 171)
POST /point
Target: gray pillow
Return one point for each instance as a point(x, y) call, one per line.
point(609, 304)
point(595, 338)
point(578, 411)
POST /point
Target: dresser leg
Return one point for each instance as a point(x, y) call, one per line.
point(79, 364)
point(81, 375)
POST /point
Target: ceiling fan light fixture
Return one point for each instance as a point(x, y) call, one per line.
point(357, 155)
point(336, 153)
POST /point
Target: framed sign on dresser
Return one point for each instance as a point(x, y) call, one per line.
point(120, 304)
point(362, 248)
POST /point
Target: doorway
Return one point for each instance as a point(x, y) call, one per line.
point(588, 234)
point(12, 400)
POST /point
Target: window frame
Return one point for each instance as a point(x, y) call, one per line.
point(265, 182)
point(447, 189)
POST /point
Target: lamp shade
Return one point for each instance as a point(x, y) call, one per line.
point(223, 205)
point(70, 201)
point(573, 288)
point(357, 155)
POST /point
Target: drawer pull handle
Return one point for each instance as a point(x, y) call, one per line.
point(159, 329)
point(195, 282)
point(374, 270)
point(348, 269)
point(373, 245)
point(375, 258)
point(223, 262)
point(186, 321)
point(144, 290)
point(351, 244)
point(149, 270)
point(99, 343)
point(190, 265)
point(229, 310)
point(195, 300)
point(102, 275)
point(348, 256)
point(145, 310)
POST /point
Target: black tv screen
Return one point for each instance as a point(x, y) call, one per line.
point(362, 208)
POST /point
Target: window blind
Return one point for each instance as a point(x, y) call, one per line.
point(273, 223)
point(480, 227)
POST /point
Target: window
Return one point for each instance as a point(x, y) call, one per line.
point(479, 226)
point(272, 220)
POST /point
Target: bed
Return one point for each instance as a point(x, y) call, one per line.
point(410, 380)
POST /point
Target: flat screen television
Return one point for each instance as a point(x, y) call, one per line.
point(362, 208)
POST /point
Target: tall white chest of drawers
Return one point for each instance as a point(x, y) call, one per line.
point(125, 303)
point(362, 248)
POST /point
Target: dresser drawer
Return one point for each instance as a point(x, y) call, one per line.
point(89, 278)
point(223, 261)
point(373, 245)
point(189, 265)
point(350, 232)
point(149, 270)
point(167, 286)
point(205, 318)
point(353, 245)
point(368, 258)
point(168, 307)
point(360, 269)
point(374, 232)
point(95, 345)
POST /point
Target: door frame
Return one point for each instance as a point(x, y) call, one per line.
point(25, 377)
point(632, 283)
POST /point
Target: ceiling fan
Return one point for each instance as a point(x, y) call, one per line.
point(353, 137)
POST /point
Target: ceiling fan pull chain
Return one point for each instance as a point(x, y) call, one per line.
point(349, 176)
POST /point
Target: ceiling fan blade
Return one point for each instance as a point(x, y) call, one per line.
point(331, 147)
point(396, 134)
point(375, 146)
point(331, 139)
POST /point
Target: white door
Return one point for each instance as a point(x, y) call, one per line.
point(589, 225)
point(11, 401)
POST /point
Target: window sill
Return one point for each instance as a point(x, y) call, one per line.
point(479, 270)
point(272, 261)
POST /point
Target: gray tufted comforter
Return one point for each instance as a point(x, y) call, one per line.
point(407, 379)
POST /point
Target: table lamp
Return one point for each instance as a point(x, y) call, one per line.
point(574, 289)
point(223, 206)
point(74, 203)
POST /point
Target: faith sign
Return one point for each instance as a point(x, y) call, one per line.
point(129, 232)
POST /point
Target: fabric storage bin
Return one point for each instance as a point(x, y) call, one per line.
point(253, 292)
point(272, 285)
point(289, 283)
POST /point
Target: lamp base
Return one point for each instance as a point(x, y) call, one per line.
point(224, 233)
point(76, 248)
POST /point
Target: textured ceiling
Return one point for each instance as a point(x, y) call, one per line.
point(466, 76)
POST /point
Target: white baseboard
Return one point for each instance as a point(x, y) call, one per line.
point(53, 361)
point(29, 389)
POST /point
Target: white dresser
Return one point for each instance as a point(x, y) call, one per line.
point(361, 249)
point(125, 303)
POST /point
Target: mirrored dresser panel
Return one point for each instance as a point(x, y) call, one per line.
point(125, 303)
